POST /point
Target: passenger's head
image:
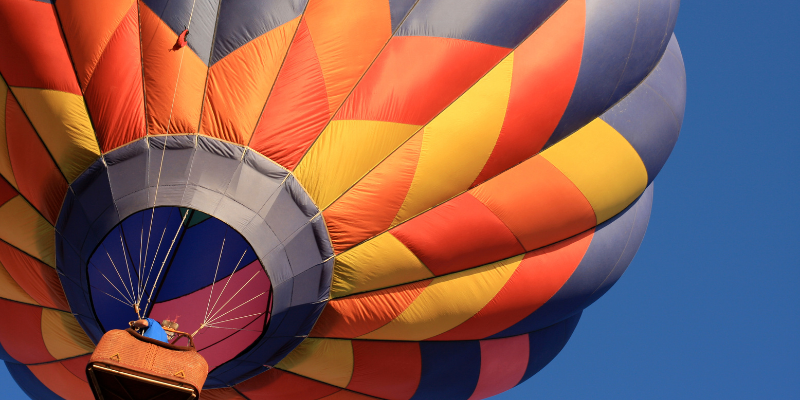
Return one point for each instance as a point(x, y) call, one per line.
point(169, 324)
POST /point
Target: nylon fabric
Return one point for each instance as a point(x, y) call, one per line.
point(39, 180)
point(62, 381)
point(7, 192)
point(464, 179)
point(449, 369)
point(324, 360)
point(537, 202)
point(5, 159)
point(29, 383)
point(603, 165)
point(88, 27)
point(222, 394)
point(347, 395)
point(557, 335)
point(244, 192)
point(421, 368)
point(39, 281)
point(360, 314)
point(344, 152)
point(472, 235)
point(611, 250)
point(371, 204)
point(393, 95)
point(546, 68)
point(77, 366)
point(405, 88)
point(503, 364)
point(63, 124)
point(381, 262)
point(186, 280)
point(349, 35)
point(63, 336)
point(588, 224)
point(525, 102)
point(250, 294)
point(239, 84)
point(204, 15)
point(650, 117)
point(540, 275)
point(388, 370)
point(23, 340)
point(404, 370)
point(281, 385)
point(638, 220)
point(174, 80)
point(649, 44)
point(9, 289)
point(458, 142)
point(118, 115)
point(400, 9)
point(337, 42)
point(33, 34)
point(623, 42)
point(22, 227)
point(447, 302)
point(296, 109)
point(241, 22)
point(448, 18)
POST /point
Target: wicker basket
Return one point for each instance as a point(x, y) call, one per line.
point(129, 364)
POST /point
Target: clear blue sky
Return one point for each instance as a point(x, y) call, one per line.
point(710, 307)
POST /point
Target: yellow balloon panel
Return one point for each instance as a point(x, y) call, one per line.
point(447, 302)
point(325, 360)
point(63, 336)
point(457, 143)
point(344, 152)
point(378, 263)
point(24, 228)
point(62, 122)
point(603, 165)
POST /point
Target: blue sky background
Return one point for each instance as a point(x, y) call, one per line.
point(710, 307)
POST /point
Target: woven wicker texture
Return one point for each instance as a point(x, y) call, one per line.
point(123, 349)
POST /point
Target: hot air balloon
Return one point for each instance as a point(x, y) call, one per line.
point(346, 199)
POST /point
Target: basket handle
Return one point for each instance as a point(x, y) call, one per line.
point(178, 335)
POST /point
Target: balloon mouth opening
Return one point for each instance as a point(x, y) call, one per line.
point(208, 234)
point(185, 268)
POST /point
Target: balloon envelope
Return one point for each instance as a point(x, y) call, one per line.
point(389, 198)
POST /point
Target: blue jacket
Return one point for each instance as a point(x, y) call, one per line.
point(155, 331)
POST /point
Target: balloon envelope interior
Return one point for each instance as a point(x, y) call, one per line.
point(196, 271)
point(202, 231)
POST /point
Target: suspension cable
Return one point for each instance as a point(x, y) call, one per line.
point(118, 274)
point(166, 256)
point(234, 309)
point(214, 281)
point(125, 255)
point(234, 295)
point(155, 258)
point(228, 281)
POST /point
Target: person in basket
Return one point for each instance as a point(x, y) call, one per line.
point(150, 328)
